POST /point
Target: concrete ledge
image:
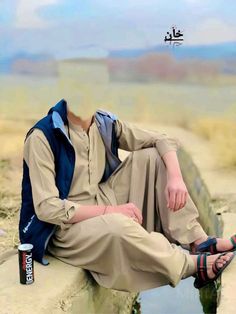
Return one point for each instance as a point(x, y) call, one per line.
point(228, 299)
point(58, 288)
point(216, 219)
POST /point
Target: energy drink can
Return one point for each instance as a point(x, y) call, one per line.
point(26, 263)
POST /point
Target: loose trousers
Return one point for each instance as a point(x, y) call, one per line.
point(119, 252)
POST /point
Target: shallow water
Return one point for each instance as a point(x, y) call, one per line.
point(183, 299)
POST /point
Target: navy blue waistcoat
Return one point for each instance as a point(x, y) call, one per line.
point(38, 232)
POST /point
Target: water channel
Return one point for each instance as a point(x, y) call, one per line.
point(183, 299)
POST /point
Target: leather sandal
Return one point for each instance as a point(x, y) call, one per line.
point(210, 246)
point(202, 278)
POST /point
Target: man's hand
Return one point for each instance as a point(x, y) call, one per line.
point(176, 193)
point(128, 209)
point(84, 212)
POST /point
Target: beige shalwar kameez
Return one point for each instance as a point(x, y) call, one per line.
point(118, 252)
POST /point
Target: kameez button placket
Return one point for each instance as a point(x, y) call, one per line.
point(87, 144)
point(89, 162)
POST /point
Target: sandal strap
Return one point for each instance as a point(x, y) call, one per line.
point(208, 246)
point(202, 267)
point(200, 281)
point(215, 268)
point(233, 240)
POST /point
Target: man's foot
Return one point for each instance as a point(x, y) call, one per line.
point(214, 245)
point(211, 259)
point(209, 267)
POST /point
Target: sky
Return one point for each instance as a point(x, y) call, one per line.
point(91, 28)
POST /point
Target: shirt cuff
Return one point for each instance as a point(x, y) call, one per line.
point(70, 209)
point(166, 145)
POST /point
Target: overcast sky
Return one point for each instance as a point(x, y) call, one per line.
point(71, 28)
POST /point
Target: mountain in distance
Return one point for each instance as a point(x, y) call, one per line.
point(225, 51)
point(28, 63)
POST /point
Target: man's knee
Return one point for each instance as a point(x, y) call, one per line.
point(120, 225)
point(147, 154)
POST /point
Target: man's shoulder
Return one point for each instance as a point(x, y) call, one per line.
point(35, 134)
point(37, 130)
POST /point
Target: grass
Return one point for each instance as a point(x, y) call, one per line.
point(221, 134)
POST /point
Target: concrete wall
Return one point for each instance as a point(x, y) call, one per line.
point(218, 217)
point(207, 207)
point(58, 288)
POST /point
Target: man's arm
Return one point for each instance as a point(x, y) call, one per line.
point(176, 192)
point(132, 138)
point(48, 206)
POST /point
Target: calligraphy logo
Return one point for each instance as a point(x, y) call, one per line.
point(175, 37)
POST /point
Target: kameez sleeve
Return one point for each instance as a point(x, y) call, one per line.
point(40, 160)
point(131, 138)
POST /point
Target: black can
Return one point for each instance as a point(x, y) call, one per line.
point(26, 263)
